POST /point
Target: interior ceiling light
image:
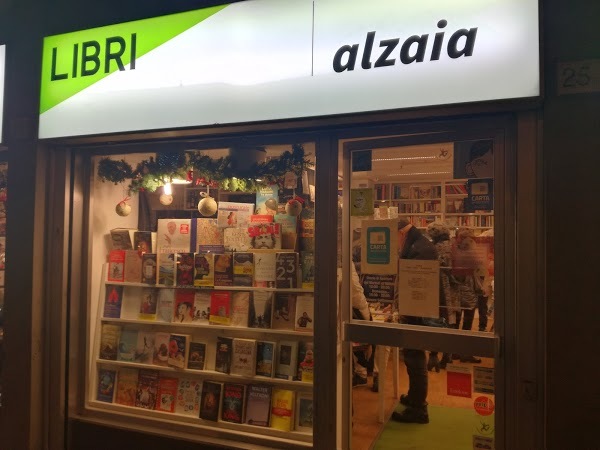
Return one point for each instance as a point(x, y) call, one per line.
point(405, 158)
point(416, 173)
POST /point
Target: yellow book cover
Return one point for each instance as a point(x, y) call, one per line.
point(282, 409)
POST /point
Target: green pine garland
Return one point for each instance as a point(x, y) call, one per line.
point(150, 174)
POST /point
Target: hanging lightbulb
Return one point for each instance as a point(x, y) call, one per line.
point(166, 197)
point(167, 190)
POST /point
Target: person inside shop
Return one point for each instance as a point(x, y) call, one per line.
point(360, 311)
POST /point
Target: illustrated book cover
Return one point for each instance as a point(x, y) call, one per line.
point(161, 348)
point(304, 412)
point(178, 350)
point(265, 358)
point(234, 399)
point(267, 199)
point(133, 267)
point(264, 235)
point(167, 394)
point(289, 230)
point(307, 260)
point(240, 308)
point(113, 300)
point(121, 238)
point(282, 409)
point(243, 357)
point(236, 239)
point(127, 345)
point(184, 306)
point(144, 351)
point(142, 241)
point(148, 304)
point(166, 268)
point(230, 214)
point(106, 385)
point(201, 307)
point(109, 341)
point(223, 269)
point(188, 397)
point(208, 232)
point(204, 270)
point(184, 269)
point(220, 308)
point(197, 356)
point(306, 361)
point(284, 311)
point(304, 313)
point(261, 308)
point(287, 360)
point(264, 269)
point(149, 268)
point(258, 405)
point(243, 268)
point(173, 236)
point(166, 305)
point(223, 354)
point(116, 266)
point(127, 380)
point(147, 388)
point(210, 400)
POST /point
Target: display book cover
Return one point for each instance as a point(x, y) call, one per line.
point(220, 308)
point(148, 304)
point(121, 238)
point(306, 361)
point(263, 233)
point(188, 397)
point(167, 394)
point(287, 360)
point(197, 356)
point(303, 419)
point(106, 385)
point(166, 268)
point(307, 260)
point(147, 388)
point(204, 269)
point(304, 313)
point(284, 311)
point(265, 358)
point(282, 409)
point(142, 241)
point(286, 270)
point(223, 353)
point(113, 300)
point(243, 357)
point(240, 308)
point(258, 405)
point(127, 345)
point(223, 269)
point(109, 341)
point(133, 267)
point(261, 309)
point(243, 268)
point(173, 236)
point(264, 269)
point(184, 269)
point(201, 307)
point(206, 232)
point(161, 348)
point(233, 403)
point(183, 311)
point(116, 266)
point(127, 383)
point(178, 350)
point(230, 214)
point(210, 400)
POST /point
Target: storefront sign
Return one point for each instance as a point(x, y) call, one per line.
point(458, 381)
point(275, 59)
point(379, 288)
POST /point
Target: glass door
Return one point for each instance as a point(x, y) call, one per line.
point(419, 299)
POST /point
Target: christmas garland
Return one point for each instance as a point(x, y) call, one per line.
point(220, 173)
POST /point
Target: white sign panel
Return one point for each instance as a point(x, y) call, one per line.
point(275, 59)
point(419, 288)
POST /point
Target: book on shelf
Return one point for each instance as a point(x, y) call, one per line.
point(122, 238)
point(197, 355)
point(201, 307)
point(233, 403)
point(220, 308)
point(106, 385)
point(184, 269)
point(307, 234)
point(258, 405)
point(167, 394)
point(188, 397)
point(173, 236)
point(179, 346)
point(127, 345)
point(243, 268)
point(207, 232)
point(240, 308)
point(113, 300)
point(184, 306)
point(133, 267)
point(306, 361)
point(286, 270)
point(287, 359)
point(304, 313)
point(148, 304)
point(284, 311)
point(236, 239)
point(144, 350)
point(161, 348)
point(204, 271)
point(142, 241)
point(282, 409)
point(307, 260)
point(261, 309)
point(231, 214)
point(223, 269)
point(265, 358)
point(264, 235)
point(149, 268)
point(264, 269)
point(267, 198)
point(210, 400)
point(147, 388)
point(304, 412)
point(243, 357)
point(116, 266)
point(166, 268)
point(127, 380)
point(223, 354)
point(109, 341)
point(165, 305)
point(289, 230)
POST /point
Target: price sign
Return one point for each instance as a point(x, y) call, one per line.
point(578, 77)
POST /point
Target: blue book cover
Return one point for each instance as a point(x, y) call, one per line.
point(113, 301)
point(106, 385)
point(127, 345)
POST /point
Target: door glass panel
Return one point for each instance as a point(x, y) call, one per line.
point(421, 233)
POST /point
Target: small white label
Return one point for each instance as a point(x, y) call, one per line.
point(577, 77)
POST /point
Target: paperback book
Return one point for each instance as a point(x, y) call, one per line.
point(304, 412)
point(286, 270)
point(261, 308)
point(210, 401)
point(197, 356)
point(178, 350)
point(240, 308)
point(304, 313)
point(267, 199)
point(116, 266)
point(109, 341)
point(133, 267)
point(127, 345)
point(236, 239)
point(166, 269)
point(149, 268)
point(265, 235)
point(184, 306)
point(184, 270)
point(148, 304)
point(204, 271)
point(121, 238)
point(287, 360)
point(243, 357)
point(243, 268)
point(289, 231)
point(142, 241)
point(264, 269)
point(166, 305)
point(307, 260)
point(230, 214)
point(106, 385)
point(282, 409)
point(112, 301)
point(306, 361)
point(188, 397)
point(223, 270)
point(265, 358)
point(223, 354)
point(284, 311)
point(207, 232)
point(220, 308)
point(201, 307)
point(127, 380)
point(167, 394)
point(173, 236)
point(144, 351)
point(147, 388)
point(258, 405)
point(234, 396)
point(161, 348)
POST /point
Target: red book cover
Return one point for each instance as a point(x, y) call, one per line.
point(220, 307)
point(184, 306)
point(167, 394)
point(116, 265)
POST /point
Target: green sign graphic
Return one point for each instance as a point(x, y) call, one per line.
point(74, 61)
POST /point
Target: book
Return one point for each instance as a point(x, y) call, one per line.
point(207, 233)
point(210, 400)
point(220, 308)
point(265, 358)
point(121, 238)
point(144, 350)
point(149, 268)
point(267, 198)
point(240, 308)
point(173, 236)
point(188, 397)
point(142, 241)
point(106, 385)
point(261, 308)
point(184, 306)
point(243, 268)
point(127, 380)
point(236, 239)
point(230, 214)
point(264, 269)
point(306, 361)
point(133, 267)
point(307, 260)
point(287, 360)
point(116, 266)
point(265, 235)
point(307, 234)
point(304, 313)
point(197, 355)
point(113, 299)
point(127, 345)
point(184, 269)
point(223, 269)
point(232, 408)
point(289, 230)
point(243, 357)
point(166, 268)
point(201, 307)
point(179, 345)
point(148, 304)
point(165, 305)
point(204, 271)
point(161, 348)
point(282, 409)
point(223, 354)
point(167, 394)
point(284, 311)
point(147, 388)
point(109, 341)
point(286, 270)
point(304, 412)
point(258, 405)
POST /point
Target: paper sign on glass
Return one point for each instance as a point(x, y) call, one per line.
point(379, 247)
point(361, 202)
point(419, 288)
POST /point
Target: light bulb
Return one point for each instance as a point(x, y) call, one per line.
point(167, 189)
